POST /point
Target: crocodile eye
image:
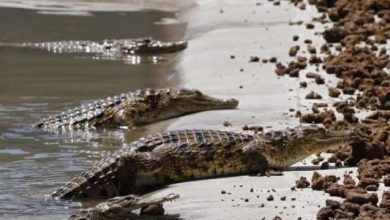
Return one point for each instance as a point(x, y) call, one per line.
point(198, 93)
point(269, 135)
point(147, 40)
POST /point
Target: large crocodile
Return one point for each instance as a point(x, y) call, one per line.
point(138, 108)
point(185, 155)
point(120, 208)
point(107, 47)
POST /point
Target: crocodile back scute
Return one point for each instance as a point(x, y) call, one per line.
point(105, 174)
point(189, 140)
point(102, 111)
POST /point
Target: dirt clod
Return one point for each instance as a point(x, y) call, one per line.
point(302, 183)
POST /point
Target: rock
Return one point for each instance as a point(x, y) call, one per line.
point(350, 207)
point(348, 180)
point(312, 75)
point(254, 59)
point(364, 182)
point(320, 80)
point(334, 92)
point(371, 188)
point(361, 198)
point(311, 49)
point(315, 161)
point(313, 95)
point(276, 218)
point(325, 213)
point(318, 182)
point(270, 198)
point(332, 204)
point(310, 26)
point(293, 50)
point(334, 35)
point(317, 118)
point(273, 60)
point(302, 182)
point(227, 124)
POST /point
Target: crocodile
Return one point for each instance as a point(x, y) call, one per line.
point(185, 155)
point(121, 207)
point(115, 47)
point(136, 108)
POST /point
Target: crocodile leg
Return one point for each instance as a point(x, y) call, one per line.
point(254, 159)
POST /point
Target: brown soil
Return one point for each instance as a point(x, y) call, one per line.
point(354, 53)
point(318, 182)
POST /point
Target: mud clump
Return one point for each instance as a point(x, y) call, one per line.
point(254, 59)
point(354, 53)
point(302, 183)
point(255, 129)
point(348, 180)
point(318, 118)
point(375, 168)
point(369, 183)
point(334, 35)
point(334, 92)
point(313, 95)
point(270, 198)
point(318, 182)
point(293, 51)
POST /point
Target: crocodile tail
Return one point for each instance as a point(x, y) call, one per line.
point(101, 181)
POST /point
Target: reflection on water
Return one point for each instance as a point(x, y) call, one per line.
point(35, 84)
point(132, 51)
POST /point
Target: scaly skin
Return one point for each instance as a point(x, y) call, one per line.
point(134, 109)
point(120, 208)
point(113, 48)
point(186, 155)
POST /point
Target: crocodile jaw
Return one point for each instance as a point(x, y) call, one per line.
point(301, 143)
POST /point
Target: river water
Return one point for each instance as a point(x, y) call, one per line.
point(35, 84)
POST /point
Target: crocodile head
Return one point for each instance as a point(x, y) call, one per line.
point(318, 136)
point(169, 103)
point(286, 148)
point(149, 45)
point(121, 207)
point(187, 101)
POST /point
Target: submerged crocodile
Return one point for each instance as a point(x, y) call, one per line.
point(186, 155)
point(138, 108)
point(107, 47)
point(120, 208)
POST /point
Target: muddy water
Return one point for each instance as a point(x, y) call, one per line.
point(34, 84)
